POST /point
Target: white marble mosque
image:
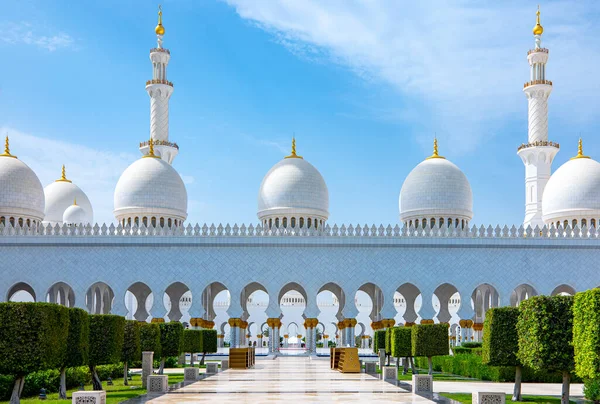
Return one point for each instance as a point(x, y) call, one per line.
point(291, 272)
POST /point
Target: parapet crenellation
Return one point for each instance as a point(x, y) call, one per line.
point(358, 231)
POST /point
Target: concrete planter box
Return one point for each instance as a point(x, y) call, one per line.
point(486, 397)
point(158, 384)
point(191, 374)
point(89, 397)
point(370, 367)
point(390, 373)
point(212, 368)
point(224, 365)
point(422, 384)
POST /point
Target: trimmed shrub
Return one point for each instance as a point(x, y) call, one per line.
point(132, 350)
point(591, 390)
point(150, 338)
point(545, 329)
point(192, 343)
point(586, 335)
point(106, 343)
point(472, 344)
point(33, 336)
point(378, 340)
point(171, 341)
point(77, 347)
point(429, 340)
point(208, 342)
point(401, 341)
point(460, 350)
point(501, 342)
point(388, 341)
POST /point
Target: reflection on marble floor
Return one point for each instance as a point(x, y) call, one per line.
point(295, 379)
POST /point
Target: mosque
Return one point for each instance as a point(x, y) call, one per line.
point(292, 273)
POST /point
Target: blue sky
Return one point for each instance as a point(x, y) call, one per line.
point(364, 85)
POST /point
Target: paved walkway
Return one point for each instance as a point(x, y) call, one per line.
point(290, 379)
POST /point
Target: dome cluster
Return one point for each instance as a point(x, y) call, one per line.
point(60, 196)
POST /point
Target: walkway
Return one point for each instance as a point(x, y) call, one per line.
point(297, 379)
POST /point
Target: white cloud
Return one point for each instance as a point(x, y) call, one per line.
point(95, 171)
point(463, 62)
point(24, 33)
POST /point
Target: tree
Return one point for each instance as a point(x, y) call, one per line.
point(33, 336)
point(545, 329)
point(192, 343)
point(171, 341)
point(106, 343)
point(388, 344)
point(429, 340)
point(501, 342)
point(132, 350)
point(401, 346)
point(208, 343)
point(586, 334)
point(150, 338)
point(378, 341)
point(77, 347)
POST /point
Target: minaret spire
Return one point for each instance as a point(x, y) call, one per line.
point(63, 175)
point(293, 155)
point(538, 153)
point(7, 149)
point(435, 154)
point(160, 90)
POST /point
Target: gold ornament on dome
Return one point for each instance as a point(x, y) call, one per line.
point(580, 152)
point(151, 150)
point(293, 155)
point(435, 154)
point(160, 30)
point(7, 150)
point(63, 175)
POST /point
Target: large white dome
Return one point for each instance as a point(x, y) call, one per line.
point(22, 195)
point(60, 195)
point(436, 189)
point(150, 188)
point(573, 193)
point(76, 215)
point(293, 188)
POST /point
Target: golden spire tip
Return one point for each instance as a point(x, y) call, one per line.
point(63, 175)
point(160, 30)
point(151, 149)
point(435, 154)
point(580, 151)
point(293, 155)
point(7, 149)
point(538, 29)
point(75, 201)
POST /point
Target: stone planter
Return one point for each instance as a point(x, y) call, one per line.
point(486, 397)
point(212, 368)
point(89, 397)
point(158, 384)
point(224, 365)
point(370, 367)
point(422, 384)
point(191, 374)
point(390, 373)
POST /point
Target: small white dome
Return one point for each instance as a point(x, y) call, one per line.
point(293, 187)
point(436, 188)
point(573, 192)
point(75, 214)
point(59, 196)
point(150, 187)
point(22, 194)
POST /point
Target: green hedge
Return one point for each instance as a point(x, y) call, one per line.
point(378, 340)
point(545, 329)
point(500, 337)
point(33, 337)
point(586, 336)
point(191, 341)
point(461, 350)
point(171, 339)
point(150, 338)
point(401, 341)
point(388, 341)
point(50, 379)
point(429, 340)
point(132, 350)
point(472, 366)
point(472, 344)
point(78, 338)
point(208, 341)
point(106, 339)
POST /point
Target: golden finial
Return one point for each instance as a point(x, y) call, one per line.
point(7, 149)
point(580, 152)
point(293, 155)
point(75, 201)
point(538, 29)
point(151, 149)
point(160, 30)
point(435, 154)
point(63, 176)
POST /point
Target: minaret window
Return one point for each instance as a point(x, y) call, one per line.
point(301, 222)
point(309, 222)
point(432, 223)
point(285, 222)
point(574, 223)
point(153, 221)
point(293, 222)
point(270, 223)
point(277, 222)
point(169, 222)
point(593, 222)
point(162, 222)
point(566, 223)
point(417, 223)
point(583, 222)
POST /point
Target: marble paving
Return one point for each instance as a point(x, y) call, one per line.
point(296, 379)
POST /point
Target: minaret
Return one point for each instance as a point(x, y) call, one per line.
point(160, 89)
point(538, 153)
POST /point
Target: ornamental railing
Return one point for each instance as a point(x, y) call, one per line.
point(543, 50)
point(159, 143)
point(163, 50)
point(534, 82)
point(167, 82)
point(343, 231)
point(538, 143)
